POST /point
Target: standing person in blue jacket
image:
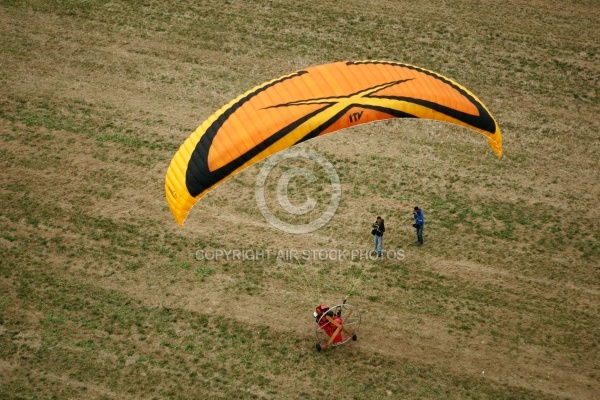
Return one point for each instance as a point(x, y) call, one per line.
point(419, 223)
point(377, 230)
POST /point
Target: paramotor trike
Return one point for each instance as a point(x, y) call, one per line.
point(336, 325)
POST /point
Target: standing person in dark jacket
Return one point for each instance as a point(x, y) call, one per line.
point(377, 231)
point(419, 224)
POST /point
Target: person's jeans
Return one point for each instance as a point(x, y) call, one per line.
point(378, 244)
point(420, 234)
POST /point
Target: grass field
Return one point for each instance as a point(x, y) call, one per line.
point(102, 295)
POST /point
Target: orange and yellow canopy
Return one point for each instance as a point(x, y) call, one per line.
point(313, 102)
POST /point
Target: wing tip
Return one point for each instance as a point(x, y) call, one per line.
point(179, 216)
point(496, 144)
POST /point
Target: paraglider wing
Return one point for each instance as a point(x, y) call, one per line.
point(309, 103)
